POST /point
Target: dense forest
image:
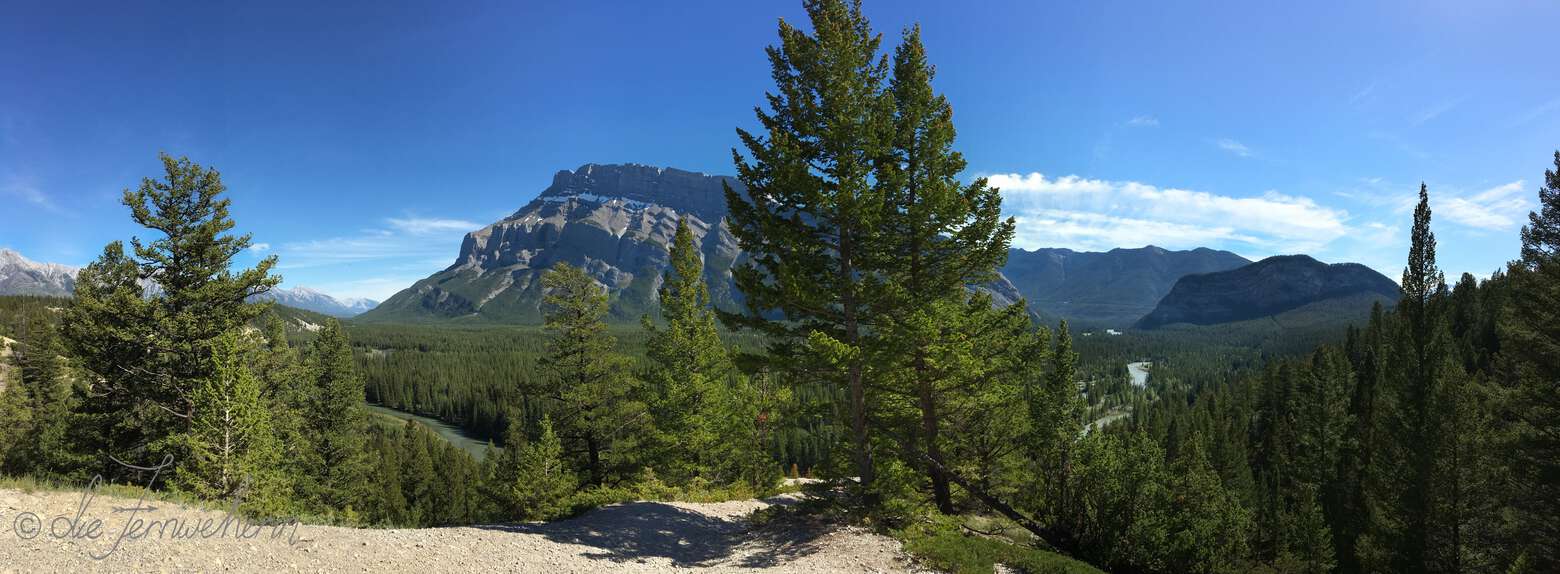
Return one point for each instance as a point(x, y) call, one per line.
point(1424, 439)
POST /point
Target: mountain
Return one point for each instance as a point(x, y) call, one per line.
point(1270, 287)
point(22, 276)
point(612, 220)
point(1107, 289)
point(615, 221)
point(311, 300)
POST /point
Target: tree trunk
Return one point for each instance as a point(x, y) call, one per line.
point(594, 451)
point(941, 493)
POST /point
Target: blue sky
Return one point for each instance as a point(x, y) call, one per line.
point(360, 141)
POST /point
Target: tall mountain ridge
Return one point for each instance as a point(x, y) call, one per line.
point(22, 276)
point(616, 220)
point(1270, 287)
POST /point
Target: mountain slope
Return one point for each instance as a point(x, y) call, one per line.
point(22, 276)
point(1107, 289)
point(1270, 287)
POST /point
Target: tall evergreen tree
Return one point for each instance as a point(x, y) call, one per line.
point(689, 366)
point(336, 423)
point(1530, 336)
point(591, 393)
point(808, 217)
point(542, 482)
point(1056, 418)
point(148, 355)
point(1421, 363)
point(35, 435)
point(233, 451)
point(937, 236)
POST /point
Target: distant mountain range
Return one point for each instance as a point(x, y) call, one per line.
point(615, 221)
point(1270, 287)
point(311, 300)
point(22, 276)
point(1107, 289)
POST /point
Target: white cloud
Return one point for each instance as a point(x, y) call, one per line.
point(1143, 122)
point(1233, 147)
point(411, 243)
point(427, 225)
point(26, 191)
point(1434, 112)
point(1496, 209)
point(259, 248)
point(1094, 214)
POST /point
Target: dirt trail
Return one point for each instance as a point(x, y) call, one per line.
point(634, 537)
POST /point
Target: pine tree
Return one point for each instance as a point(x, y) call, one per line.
point(336, 424)
point(1530, 335)
point(1308, 548)
point(143, 397)
point(419, 481)
point(1056, 419)
point(232, 450)
point(689, 367)
point(807, 219)
point(286, 389)
point(590, 392)
point(1204, 524)
point(542, 483)
point(1466, 531)
point(41, 399)
point(938, 235)
point(1405, 464)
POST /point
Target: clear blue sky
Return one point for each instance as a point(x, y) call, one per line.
point(361, 140)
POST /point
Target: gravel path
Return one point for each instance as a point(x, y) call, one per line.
point(634, 537)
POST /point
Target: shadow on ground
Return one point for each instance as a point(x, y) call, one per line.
point(636, 531)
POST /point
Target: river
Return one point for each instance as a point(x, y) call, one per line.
point(456, 435)
point(1139, 372)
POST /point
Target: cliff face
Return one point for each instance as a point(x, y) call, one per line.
point(1268, 287)
point(615, 221)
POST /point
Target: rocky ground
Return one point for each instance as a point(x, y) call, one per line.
point(634, 537)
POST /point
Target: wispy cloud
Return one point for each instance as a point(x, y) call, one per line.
point(427, 225)
point(1365, 93)
point(1233, 147)
point(1498, 208)
point(1434, 111)
point(258, 248)
point(1143, 122)
point(1094, 214)
point(25, 190)
point(404, 243)
point(1539, 111)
